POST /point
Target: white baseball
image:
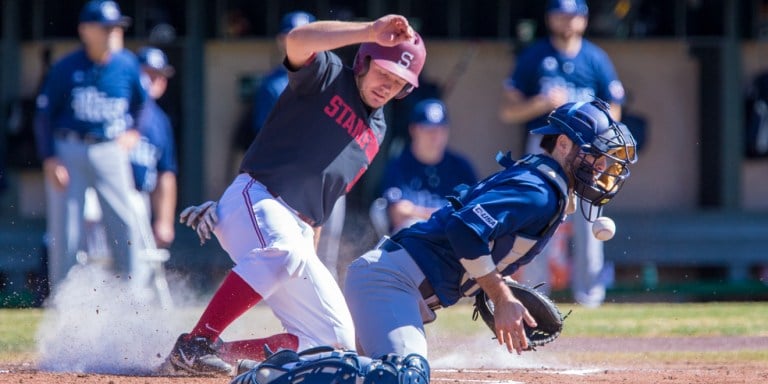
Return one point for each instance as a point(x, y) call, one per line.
point(603, 228)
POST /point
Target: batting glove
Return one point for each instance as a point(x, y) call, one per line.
point(202, 218)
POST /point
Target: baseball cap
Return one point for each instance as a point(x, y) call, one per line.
point(155, 59)
point(294, 19)
point(105, 12)
point(430, 112)
point(572, 7)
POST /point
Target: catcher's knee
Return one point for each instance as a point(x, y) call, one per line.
point(395, 369)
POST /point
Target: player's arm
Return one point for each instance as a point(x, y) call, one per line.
point(164, 208)
point(405, 211)
point(509, 313)
point(47, 106)
point(516, 108)
point(138, 102)
point(304, 41)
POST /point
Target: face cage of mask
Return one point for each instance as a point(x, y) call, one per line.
point(596, 188)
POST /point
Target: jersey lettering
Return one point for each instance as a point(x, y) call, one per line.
point(361, 133)
point(484, 216)
point(91, 105)
point(356, 127)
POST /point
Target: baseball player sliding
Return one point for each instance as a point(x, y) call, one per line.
point(319, 139)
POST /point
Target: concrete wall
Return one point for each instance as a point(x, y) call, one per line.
point(660, 75)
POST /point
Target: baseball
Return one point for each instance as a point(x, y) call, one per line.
point(603, 228)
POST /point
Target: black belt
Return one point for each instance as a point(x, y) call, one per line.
point(85, 138)
point(425, 288)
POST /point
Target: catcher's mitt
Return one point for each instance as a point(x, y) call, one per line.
point(548, 318)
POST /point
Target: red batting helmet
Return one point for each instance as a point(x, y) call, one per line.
point(405, 60)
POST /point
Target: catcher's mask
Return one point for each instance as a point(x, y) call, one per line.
point(607, 148)
point(405, 60)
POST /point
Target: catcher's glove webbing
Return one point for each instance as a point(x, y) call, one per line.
point(548, 318)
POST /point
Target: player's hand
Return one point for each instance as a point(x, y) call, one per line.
point(508, 317)
point(56, 172)
point(391, 30)
point(202, 218)
point(128, 139)
point(557, 96)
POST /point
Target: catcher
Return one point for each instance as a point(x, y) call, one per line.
point(487, 232)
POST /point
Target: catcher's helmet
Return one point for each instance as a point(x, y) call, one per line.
point(405, 60)
point(590, 127)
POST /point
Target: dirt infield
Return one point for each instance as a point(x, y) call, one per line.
point(569, 360)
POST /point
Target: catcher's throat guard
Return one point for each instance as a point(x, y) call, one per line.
point(548, 318)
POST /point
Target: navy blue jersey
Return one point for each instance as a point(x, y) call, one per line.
point(319, 139)
point(155, 153)
point(499, 224)
point(406, 178)
point(587, 75)
point(90, 99)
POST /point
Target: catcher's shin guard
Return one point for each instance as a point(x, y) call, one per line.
point(415, 370)
point(394, 369)
point(288, 367)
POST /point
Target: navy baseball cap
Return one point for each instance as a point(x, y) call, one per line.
point(155, 60)
point(571, 7)
point(430, 112)
point(104, 12)
point(294, 19)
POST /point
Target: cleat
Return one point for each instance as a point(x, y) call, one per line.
point(197, 355)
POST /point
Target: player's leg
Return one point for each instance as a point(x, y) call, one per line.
point(254, 229)
point(124, 216)
point(588, 263)
point(59, 261)
point(382, 292)
point(311, 306)
point(73, 156)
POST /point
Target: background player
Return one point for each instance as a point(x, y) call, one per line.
point(319, 139)
point(85, 128)
point(487, 232)
point(564, 67)
point(154, 157)
point(416, 183)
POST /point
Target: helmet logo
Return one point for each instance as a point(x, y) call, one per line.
point(405, 59)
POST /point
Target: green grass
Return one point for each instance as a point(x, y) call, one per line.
point(17, 332)
point(642, 320)
point(19, 326)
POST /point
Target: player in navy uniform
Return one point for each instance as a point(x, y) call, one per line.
point(564, 67)
point(488, 231)
point(85, 127)
point(154, 157)
point(319, 139)
point(416, 183)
